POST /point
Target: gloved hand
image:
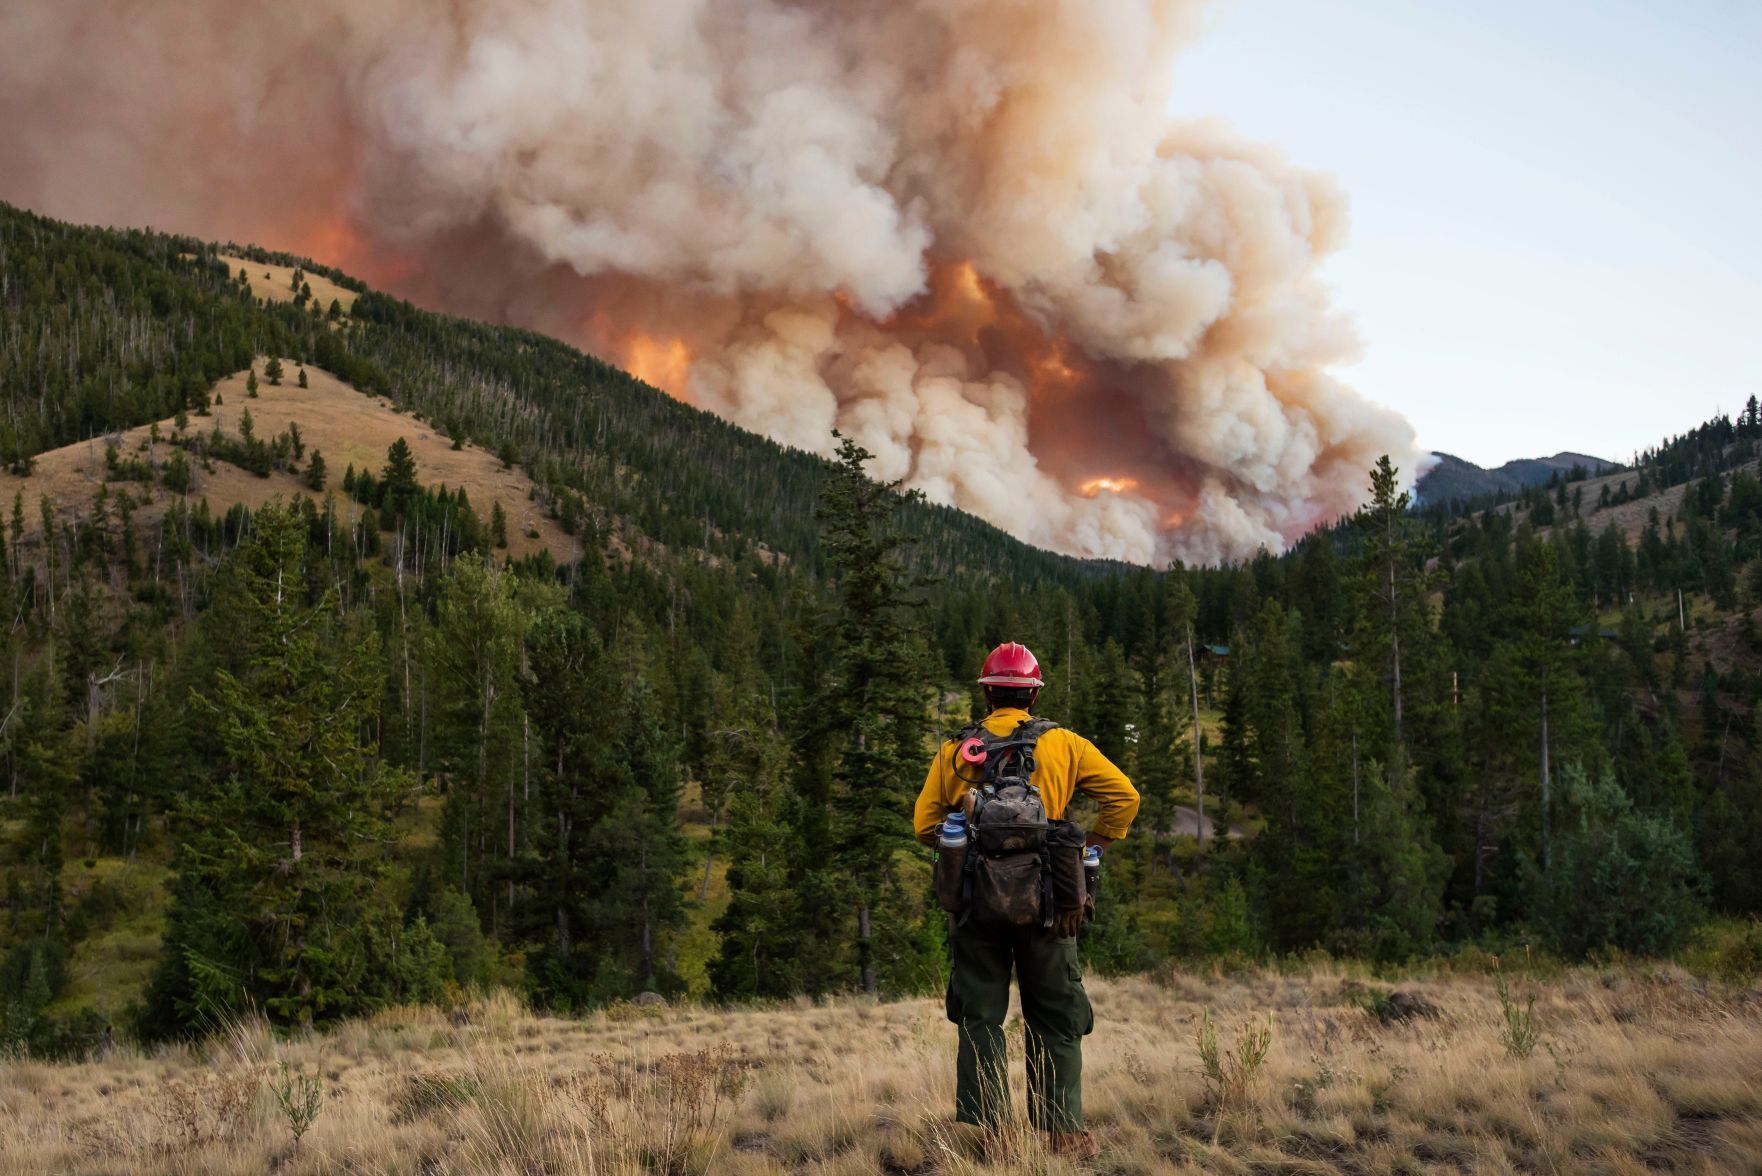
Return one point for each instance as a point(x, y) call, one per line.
point(1065, 924)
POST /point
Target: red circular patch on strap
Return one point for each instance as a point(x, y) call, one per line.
point(973, 750)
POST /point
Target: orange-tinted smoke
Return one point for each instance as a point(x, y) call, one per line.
point(967, 235)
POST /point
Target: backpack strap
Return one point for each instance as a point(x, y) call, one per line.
point(1027, 734)
point(1017, 745)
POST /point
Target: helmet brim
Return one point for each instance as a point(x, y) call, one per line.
point(1009, 680)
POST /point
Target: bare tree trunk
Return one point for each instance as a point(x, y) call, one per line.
point(565, 854)
point(1547, 850)
point(648, 927)
point(486, 701)
point(1198, 753)
point(869, 984)
point(1395, 650)
point(1480, 843)
point(703, 890)
point(1355, 787)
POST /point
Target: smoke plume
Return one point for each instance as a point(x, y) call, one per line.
point(965, 232)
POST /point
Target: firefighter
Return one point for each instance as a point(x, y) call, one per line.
point(1055, 1009)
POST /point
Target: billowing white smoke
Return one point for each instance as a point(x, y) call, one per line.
point(964, 231)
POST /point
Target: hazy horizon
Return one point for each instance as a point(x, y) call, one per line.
point(1551, 207)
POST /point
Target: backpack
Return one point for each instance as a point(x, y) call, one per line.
point(1006, 876)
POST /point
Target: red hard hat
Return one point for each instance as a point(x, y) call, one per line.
point(1011, 664)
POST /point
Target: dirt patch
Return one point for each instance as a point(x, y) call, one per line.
point(347, 426)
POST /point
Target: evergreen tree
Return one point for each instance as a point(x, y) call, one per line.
point(315, 471)
point(473, 651)
point(570, 694)
point(398, 482)
point(1391, 579)
point(760, 932)
point(277, 875)
point(498, 525)
point(1621, 878)
point(640, 842)
point(867, 735)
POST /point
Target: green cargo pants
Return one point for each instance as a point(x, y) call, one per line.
point(1056, 1014)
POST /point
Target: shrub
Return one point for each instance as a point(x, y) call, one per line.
point(1232, 1076)
point(1729, 951)
point(1620, 877)
point(1517, 1028)
point(300, 1097)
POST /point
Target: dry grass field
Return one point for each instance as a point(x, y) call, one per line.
point(276, 283)
point(1631, 1071)
point(346, 425)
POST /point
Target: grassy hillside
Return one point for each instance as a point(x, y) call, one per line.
point(1627, 1070)
point(351, 431)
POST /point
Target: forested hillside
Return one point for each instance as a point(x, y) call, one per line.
point(256, 758)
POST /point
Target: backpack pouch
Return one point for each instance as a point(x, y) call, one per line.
point(1006, 891)
point(1064, 841)
point(998, 838)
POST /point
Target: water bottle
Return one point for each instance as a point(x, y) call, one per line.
point(1091, 876)
point(951, 859)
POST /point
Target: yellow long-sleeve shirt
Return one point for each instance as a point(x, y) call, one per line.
point(1065, 763)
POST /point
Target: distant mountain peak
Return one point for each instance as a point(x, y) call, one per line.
point(1450, 477)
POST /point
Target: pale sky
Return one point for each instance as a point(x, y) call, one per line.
point(1556, 206)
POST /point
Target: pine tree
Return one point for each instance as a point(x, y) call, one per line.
point(1391, 578)
point(1622, 878)
point(474, 651)
point(1546, 612)
point(868, 729)
point(272, 371)
point(303, 381)
point(315, 471)
point(277, 876)
point(569, 691)
point(641, 841)
point(498, 525)
point(607, 856)
point(398, 482)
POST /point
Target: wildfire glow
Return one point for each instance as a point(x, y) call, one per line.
point(968, 235)
point(966, 280)
point(665, 363)
point(1096, 486)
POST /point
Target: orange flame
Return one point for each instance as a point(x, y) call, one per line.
point(333, 240)
point(967, 282)
point(1096, 486)
point(664, 363)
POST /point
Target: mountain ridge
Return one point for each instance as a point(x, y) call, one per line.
point(1451, 478)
